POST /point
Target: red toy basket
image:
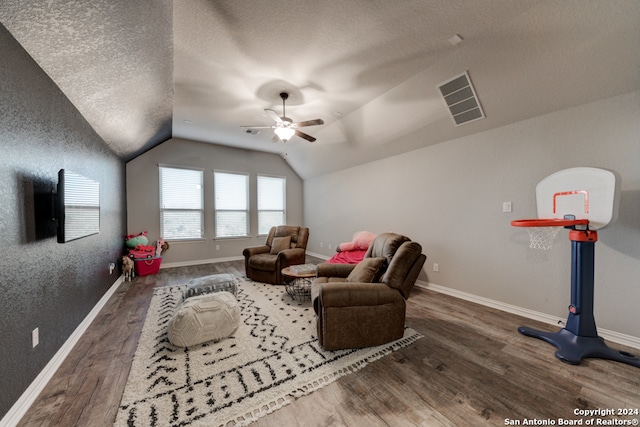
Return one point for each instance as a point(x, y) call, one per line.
point(147, 266)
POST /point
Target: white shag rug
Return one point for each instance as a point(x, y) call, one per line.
point(271, 359)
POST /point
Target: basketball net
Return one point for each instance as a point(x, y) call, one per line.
point(542, 237)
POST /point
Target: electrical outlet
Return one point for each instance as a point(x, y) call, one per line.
point(436, 267)
point(112, 266)
point(321, 244)
point(35, 337)
point(506, 206)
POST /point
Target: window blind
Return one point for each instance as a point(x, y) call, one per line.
point(271, 202)
point(231, 204)
point(181, 203)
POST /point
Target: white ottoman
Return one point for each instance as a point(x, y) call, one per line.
point(204, 318)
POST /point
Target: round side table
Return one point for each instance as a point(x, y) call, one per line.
point(298, 285)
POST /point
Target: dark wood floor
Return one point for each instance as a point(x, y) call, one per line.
point(471, 368)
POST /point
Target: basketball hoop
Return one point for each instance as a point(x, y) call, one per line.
point(542, 232)
point(591, 195)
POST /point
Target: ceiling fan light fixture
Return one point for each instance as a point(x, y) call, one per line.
point(284, 133)
point(284, 128)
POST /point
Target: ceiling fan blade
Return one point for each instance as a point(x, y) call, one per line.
point(309, 123)
point(275, 138)
point(273, 115)
point(257, 127)
point(305, 136)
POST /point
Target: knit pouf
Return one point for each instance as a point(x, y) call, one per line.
point(211, 284)
point(204, 318)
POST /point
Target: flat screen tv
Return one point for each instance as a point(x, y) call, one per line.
point(78, 206)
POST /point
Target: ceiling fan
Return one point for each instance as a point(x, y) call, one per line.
point(285, 128)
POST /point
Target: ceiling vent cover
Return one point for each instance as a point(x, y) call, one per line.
point(461, 99)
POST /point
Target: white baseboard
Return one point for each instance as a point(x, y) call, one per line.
point(313, 254)
point(627, 340)
point(214, 260)
point(199, 262)
point(617, 337)
point(25, 401)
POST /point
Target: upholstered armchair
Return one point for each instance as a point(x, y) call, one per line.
point(363, 305)
point(285, 245)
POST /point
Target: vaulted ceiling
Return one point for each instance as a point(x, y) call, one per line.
point(141, 72)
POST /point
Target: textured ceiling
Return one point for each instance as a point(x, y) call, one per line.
point(112, 59)
point(143, 71)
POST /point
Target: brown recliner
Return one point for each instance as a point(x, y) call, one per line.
point(285, 245)
point(354, 314)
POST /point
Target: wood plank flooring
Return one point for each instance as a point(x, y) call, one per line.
point(471, 368)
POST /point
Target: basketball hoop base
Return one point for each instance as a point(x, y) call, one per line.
point(579, 339)
point(573, 348)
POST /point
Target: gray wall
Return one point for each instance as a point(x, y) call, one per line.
point(143, 195)
point(449, 196)
point(44, 284)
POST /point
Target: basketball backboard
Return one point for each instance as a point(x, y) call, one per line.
point(586, 193)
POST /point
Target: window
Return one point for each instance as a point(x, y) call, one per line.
point(271, 202)
point(231, 204)
point(181, 203)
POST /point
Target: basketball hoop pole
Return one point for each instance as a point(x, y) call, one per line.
point(581, 321)
point(579, 338)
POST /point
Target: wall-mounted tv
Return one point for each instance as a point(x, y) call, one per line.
point(78, 206)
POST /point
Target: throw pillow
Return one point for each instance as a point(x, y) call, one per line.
point(279, 244)
point(366, 270)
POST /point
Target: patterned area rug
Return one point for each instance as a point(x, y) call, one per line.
point(271, 359)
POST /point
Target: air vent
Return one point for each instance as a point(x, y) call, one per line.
point(461, 99)
point(252, 131)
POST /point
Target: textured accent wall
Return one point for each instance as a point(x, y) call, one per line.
point(100, 53)
point(44, 284)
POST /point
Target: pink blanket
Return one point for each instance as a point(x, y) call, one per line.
point(347, 257)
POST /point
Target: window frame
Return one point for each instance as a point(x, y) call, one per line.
point(247, 211)
point(284, 200)
point(185, 209)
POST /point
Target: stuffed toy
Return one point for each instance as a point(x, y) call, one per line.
point(354, 251)
point(361, 241)
point(128, 268)
point(161, 246)
point(133, 240)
